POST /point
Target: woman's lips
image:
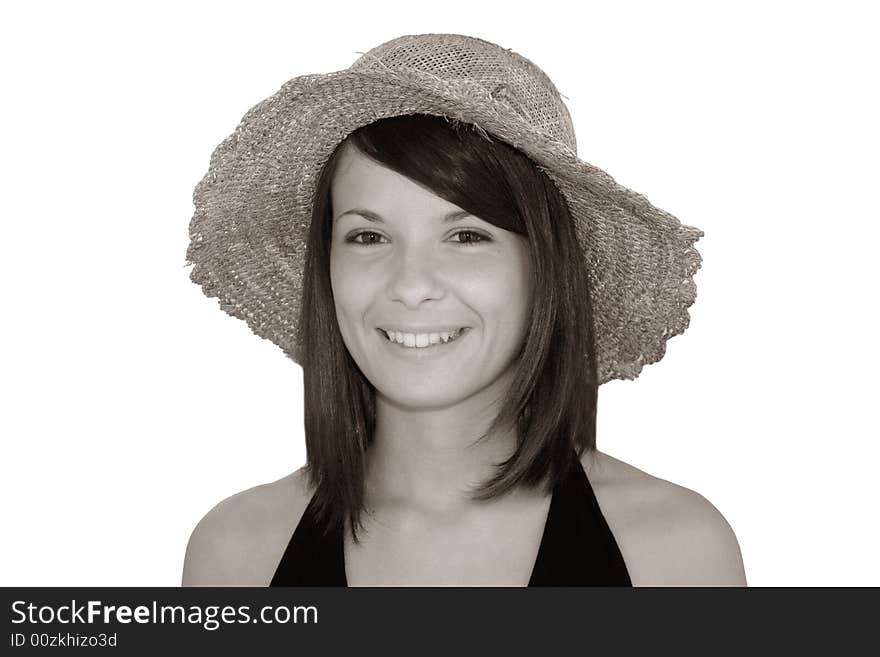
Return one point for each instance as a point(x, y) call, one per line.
point(428, 348)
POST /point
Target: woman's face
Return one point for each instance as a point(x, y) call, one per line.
point(405, 260)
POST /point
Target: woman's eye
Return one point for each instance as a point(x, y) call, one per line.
point(374, 237)
point(474, 237)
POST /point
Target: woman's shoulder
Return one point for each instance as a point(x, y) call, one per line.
point(240, 541)
point(669, 535)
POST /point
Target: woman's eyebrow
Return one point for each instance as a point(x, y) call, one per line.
point(369, 215)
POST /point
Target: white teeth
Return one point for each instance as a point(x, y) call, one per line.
point(422, 340)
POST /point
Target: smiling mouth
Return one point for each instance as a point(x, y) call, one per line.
point(422, 340)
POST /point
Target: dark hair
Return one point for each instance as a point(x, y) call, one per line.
point(552, 399)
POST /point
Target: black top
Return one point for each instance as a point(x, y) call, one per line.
point(577, 546)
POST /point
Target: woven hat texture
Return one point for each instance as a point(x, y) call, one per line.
point(253, 207)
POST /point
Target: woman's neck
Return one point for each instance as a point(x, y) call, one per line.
point(432, 458)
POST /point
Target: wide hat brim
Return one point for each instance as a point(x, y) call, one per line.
point(253, 211)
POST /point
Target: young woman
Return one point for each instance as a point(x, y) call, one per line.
point(418, 234)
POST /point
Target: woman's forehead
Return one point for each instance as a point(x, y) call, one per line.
point(359, 182)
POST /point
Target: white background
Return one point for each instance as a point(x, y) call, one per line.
point(131, 404)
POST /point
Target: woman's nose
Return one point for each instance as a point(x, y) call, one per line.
point(414, 276)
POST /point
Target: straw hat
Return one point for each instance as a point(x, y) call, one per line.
point(253, 207)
